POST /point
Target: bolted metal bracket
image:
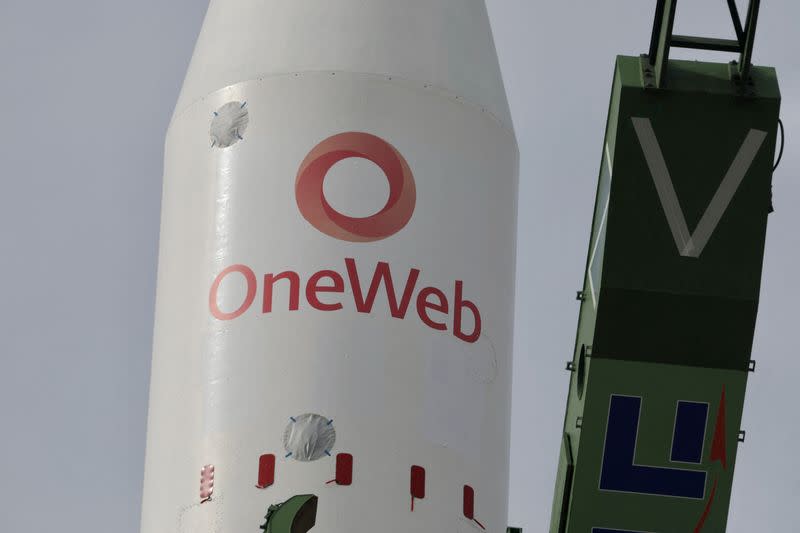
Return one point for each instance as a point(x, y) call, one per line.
point(745, 86)
point(580, 296)
point(648, 72)
point(579, 422)
point(742, 436)
point(571, 366)
point(751, 366)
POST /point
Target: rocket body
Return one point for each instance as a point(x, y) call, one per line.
point(336, 275)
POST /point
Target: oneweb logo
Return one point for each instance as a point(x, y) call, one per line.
point(327, 290)
point(315, 207)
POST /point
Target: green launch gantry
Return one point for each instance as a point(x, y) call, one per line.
point(296, 515)
point(670, 297)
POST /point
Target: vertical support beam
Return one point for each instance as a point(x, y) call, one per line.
point(737, 22)
point(745, 61)
point(657, 23)
point(664, 41)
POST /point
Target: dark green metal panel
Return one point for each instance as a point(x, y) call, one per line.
point(663, 306)
point(660, 387)
point(670, 296)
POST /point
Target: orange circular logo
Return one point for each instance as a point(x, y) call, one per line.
point(315, 207)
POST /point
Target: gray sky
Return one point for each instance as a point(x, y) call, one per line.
point(87, 91)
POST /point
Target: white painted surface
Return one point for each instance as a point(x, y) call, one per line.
point(444, 43)
point(399, 392)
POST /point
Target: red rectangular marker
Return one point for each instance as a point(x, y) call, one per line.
point(344, 469)
point(418, 482)
point(266, 471)
point(469, 502)
point(469, 505)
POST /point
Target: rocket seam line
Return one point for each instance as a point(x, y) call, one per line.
point(390, 78)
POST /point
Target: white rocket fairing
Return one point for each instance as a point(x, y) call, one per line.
point(333, 333)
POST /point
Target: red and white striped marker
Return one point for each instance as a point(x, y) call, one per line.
point(206, 483)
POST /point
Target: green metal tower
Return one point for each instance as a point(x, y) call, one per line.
point(670, 297)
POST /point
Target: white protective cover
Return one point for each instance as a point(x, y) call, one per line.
point(276, 93)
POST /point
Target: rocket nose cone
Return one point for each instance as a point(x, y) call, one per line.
point(445, 43)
